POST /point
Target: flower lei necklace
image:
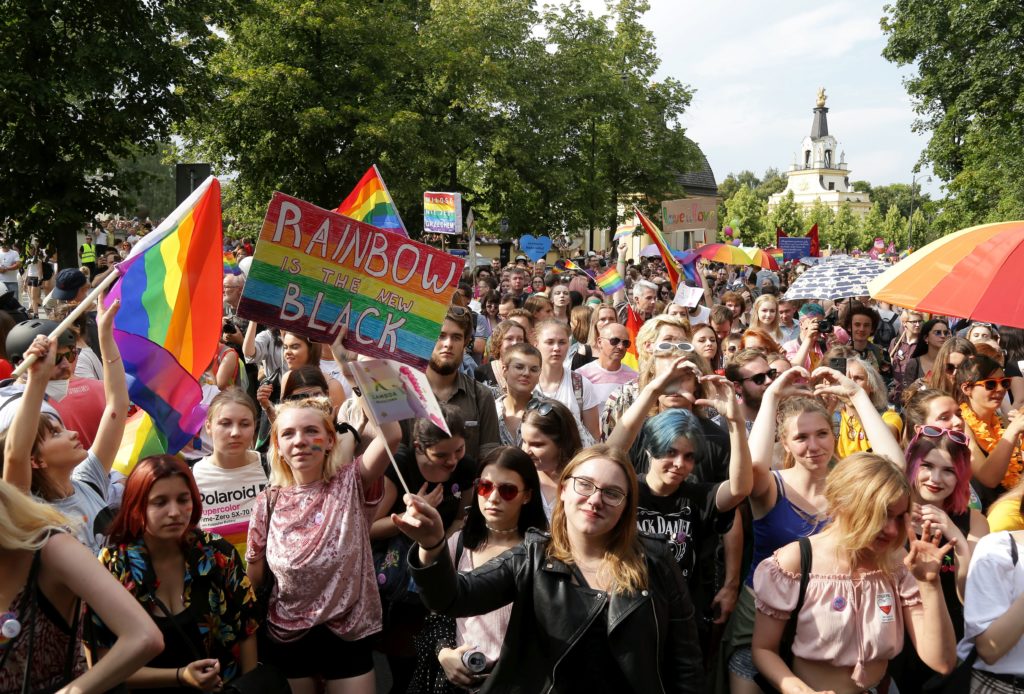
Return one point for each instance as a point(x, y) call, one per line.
point(988, 435)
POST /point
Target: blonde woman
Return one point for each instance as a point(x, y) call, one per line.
point(311, 528)
point(863, 589)
point(764, 315)
point(603, 314)
point(595, 606)
point(47, 575)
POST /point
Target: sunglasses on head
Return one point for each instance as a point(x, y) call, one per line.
point(616, 341)
point(936, 432)
point(993, 383)
point(760, 378)
point(662, 347)
point(543, 407)
point(506, 490)
point(459, 311)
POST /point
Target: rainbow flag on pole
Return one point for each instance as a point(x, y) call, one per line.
point(169, 324)
point(624, 231)
point(671, 264)
point(231, 264)
point(610, 281)
point(370, 202)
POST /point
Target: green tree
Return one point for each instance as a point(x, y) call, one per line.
point(822, 215)
point(894, 228)
point(967, 94)
point(772, 182)
point(844, 232)
point(748, 211)
point(86, 85)
point(871, 226)
point(787, 216)
point(919, 232)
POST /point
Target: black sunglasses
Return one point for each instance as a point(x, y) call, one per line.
point(615, 341)
point(760, 378)
point(543, 407)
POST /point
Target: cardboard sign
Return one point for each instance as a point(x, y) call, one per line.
point(535, 247)
point(394, 392)
point(688, 296)
point(314, 271)
point(442, 213)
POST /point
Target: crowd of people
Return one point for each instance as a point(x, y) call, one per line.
point(630, 495)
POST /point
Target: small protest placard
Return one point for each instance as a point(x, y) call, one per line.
point(795, 247)
point(396, 391)
point(314, 271)
point(688, 296)
point(442, 213)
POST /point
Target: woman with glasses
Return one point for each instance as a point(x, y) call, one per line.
point(492, 374)
point(562, 384)
point(486, 323)
point(595, 606)
point(930, 407)
point(435, 468)
point(982, 332)
point(948, 360)
point(551, 438)
point(43, 458)
point(521, 364)
point(852, 437)
point(995, 445)
point(921, 363)
point(507, 506)
point(939, 471)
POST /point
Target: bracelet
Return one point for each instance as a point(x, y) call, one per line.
point(114, 360)
point(177, 677)
point(434, 546)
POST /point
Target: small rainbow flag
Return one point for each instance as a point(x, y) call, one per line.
point(231, 264)
point(624, 231)
point(671, 264)
point(140, 439)
point(166, 331)
point(610, 281)
point(370, 202)
point(567, 266)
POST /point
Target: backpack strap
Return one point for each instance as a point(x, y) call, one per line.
point(1014, 555)
point(577, 388)
point(805, 573)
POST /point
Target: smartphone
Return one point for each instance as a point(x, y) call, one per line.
point(273, 380)
point(838, 363)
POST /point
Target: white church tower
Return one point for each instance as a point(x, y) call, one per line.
point(819, 172)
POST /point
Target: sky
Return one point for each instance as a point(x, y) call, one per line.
point(756, 67)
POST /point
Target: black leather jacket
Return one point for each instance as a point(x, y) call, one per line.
point(652, 634)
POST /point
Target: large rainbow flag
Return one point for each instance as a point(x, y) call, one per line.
point(169, 324)
point(371, 202)
point(671, 264)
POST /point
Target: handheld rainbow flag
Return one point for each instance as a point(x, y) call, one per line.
point(562, 265)
point(671, 264)
point(633, 325)
point(231, 264)
point(610, 281)
point(624, 231)
point(370, 202)
point(166, 330)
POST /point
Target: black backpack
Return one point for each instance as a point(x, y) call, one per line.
point(886, 332)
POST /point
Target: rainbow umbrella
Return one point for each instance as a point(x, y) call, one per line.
point(761, 258)
point(725, 253)
point(975, 273)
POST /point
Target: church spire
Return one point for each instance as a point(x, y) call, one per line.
point(820, 126)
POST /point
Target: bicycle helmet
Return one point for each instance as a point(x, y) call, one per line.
point(21, 336)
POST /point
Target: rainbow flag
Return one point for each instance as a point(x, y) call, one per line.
point(624, 231)
point(231, 264)
point(671, 264)
point(168, 327)
point(633, 325)
point(568, 266)
point(610, 281)
point(140, 439)
point(371, 202)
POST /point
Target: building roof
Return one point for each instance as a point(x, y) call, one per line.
point(700, 181)
point(820, 126)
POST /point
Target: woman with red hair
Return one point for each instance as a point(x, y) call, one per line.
point(192, 583)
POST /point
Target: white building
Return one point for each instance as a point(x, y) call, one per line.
point(817, 175)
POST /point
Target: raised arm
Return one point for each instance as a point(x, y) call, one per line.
point(632, 420)
point(378, 454)
point(741, 476)
point(249, 341)
point(762, 435)
point(115, 389)
point(21, 436)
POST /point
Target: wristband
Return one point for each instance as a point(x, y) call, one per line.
point(434, 546)
point(177, 677)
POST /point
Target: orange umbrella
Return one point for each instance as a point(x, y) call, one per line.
point(975, 273)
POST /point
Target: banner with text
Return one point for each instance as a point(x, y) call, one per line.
point(794, 247)
point(442, 213)
point(315, 271)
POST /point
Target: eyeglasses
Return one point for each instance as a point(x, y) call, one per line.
point(584, 487)
point(940, 333)
point(914, 322)
point(543, 407)
point(952, 368)
point(993, 383)
point(302, 396)
point(760, 378)
point(671, 346)
point(68, 356)
point(506, 490)
point(615, 341)
point(936, 432)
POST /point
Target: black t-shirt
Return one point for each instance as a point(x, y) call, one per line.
point(460, 480)
point(689, 518)
point(712, 467)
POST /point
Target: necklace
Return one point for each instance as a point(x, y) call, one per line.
point(499, 531)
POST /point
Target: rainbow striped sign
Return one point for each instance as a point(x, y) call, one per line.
point(314, 271)
point(442, 213)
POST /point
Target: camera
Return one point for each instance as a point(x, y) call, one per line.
point(826, 325)
point(229, 328)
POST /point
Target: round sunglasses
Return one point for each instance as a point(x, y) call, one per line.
point(506, 490)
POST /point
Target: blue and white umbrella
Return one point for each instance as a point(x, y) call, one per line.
point(838, 279)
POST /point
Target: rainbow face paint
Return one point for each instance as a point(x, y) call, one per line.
point(318, 445)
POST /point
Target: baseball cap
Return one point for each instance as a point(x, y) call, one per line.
point(69, 281)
